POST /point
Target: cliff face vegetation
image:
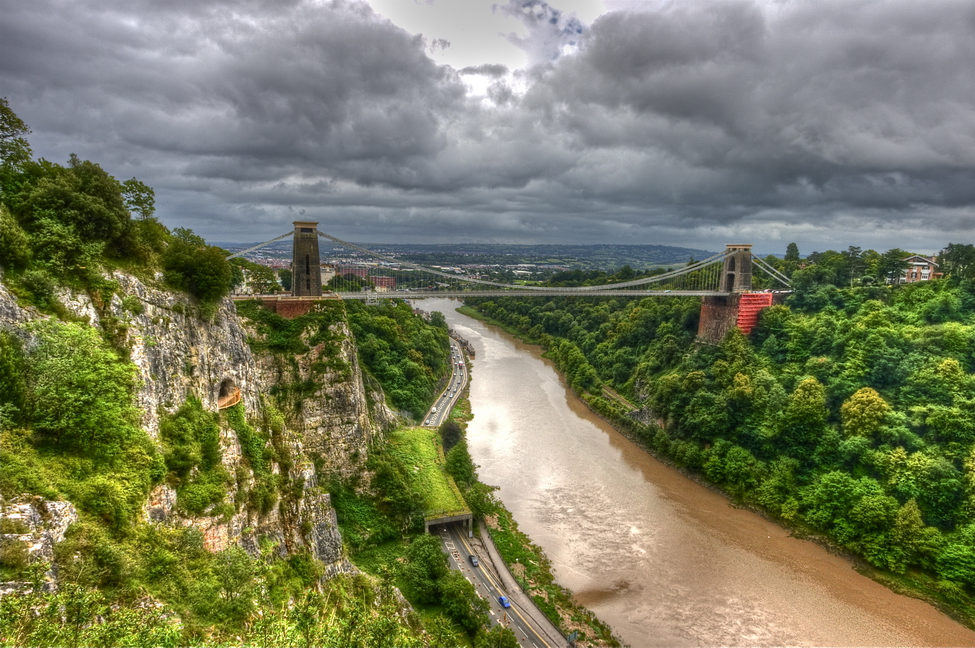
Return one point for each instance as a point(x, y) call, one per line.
point(242, 477)
point(167, 461)
point(125, 440)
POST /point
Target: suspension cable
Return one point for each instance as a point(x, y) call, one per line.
point(259, 246)
point(775, 274)
point(626, 284)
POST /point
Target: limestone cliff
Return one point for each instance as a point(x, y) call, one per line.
point(328, 425)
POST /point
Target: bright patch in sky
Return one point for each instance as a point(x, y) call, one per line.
point(476, 30)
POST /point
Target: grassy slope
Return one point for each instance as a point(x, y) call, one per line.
point(420, 448)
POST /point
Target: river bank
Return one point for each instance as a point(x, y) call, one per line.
point(706, 572)
point(913, 583)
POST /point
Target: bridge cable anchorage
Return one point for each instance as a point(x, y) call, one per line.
point(712, 261)
point(259, 246)
point(772, 272)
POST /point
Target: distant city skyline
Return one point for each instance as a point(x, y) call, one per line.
point(697, 123)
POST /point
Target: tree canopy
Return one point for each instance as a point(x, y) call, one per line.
point(70, 223)
point(847, 410)
point(14, 148)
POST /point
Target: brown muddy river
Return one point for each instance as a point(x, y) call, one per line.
point(662, 559)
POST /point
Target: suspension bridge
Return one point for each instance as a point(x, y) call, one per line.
point(370, 274)
point(723, 281)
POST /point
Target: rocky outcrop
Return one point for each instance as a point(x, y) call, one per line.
point(335, 423)
point(179, 355)
point(36, 524)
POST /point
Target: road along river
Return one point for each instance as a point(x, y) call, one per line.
point(662, 559)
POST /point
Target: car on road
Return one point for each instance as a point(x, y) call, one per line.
point(473, 560)
point(503, 600)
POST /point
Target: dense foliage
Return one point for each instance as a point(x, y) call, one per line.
point(409, 357)
point(346, 610)
point(847, 411)
point(69, 224)
point(382, 526)
point(68, 427)
point(191, 443)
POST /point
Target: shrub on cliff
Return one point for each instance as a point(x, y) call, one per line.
point(202, 270)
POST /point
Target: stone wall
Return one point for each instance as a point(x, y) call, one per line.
point(290, 307)
point(718, 315)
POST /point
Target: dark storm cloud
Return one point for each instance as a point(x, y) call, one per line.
point(865, 105)
point(229, 90)
point(488, 69)
point(696, 122)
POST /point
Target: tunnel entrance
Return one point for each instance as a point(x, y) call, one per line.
point(229, 394)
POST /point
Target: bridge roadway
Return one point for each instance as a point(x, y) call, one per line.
point(462, 294)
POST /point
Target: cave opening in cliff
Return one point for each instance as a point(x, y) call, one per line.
point(229, 393)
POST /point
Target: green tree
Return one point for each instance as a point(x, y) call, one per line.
point(285, 276)
point(891, 265)
point(497, 637)
point(441, 631)
point(15, 249)
point(75, 216)
point(235, 573)
point(259, 278)
point(263, 280)
point(450, 434)
point(202, 270)
point(13, 387)
point(480, 499)
point(957, 260)
point(14, 148)
point(792, 253)
point(853, 264)
point(779, 489)
point(437, 319)
point(459, 464)
point(426, 566)
point(139, 198)
point(956, 556)
point(792, 260)
point(80, 391)
point(803, 422)
point(916, 542)
point(864, 412)
point(462, 603)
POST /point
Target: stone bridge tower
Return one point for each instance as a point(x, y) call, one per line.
point(305, 261)
point(720, 314)
point(736, 273)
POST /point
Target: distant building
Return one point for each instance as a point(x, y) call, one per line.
point(383, 284)
point(328, 271)
point(920, 268)
point(362, 273)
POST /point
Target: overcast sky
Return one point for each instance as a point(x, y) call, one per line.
point(687, 122)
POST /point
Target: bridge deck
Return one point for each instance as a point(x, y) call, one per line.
point(462, 294)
